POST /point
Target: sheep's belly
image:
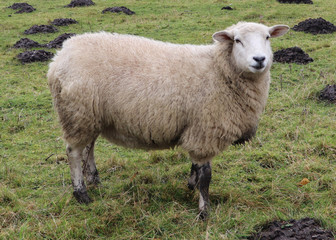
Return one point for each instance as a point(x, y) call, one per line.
point(131, 141)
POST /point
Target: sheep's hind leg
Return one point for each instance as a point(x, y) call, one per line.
point(89, 166)
point(75, 155)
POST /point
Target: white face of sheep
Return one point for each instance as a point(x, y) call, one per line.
point(251, 50)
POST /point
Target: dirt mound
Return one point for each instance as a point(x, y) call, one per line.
point(328, 93)
point(57, 42)
point(23, 7)
point(315, 26)
point(80, 3)
point(292, 55)
point(41, 29)
point(119, 9)
point(227, 8)
point(35, 56)
point(304, 229)
point(63, 21)
point(26, 43)
point(296, 1)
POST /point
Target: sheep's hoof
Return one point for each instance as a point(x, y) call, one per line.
point(82, 197)
point(203, 215)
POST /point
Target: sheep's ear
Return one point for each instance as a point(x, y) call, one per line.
point(222, 36)
point(278, 30)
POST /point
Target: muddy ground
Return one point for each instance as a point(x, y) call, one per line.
point(63, 21)
point(57, 42)
point(328, 94)
point(119, 9)
point(22, 7)
point(34, 56)
point(80, 3)
point(227, 8)
point(296, 1)
point(303, 229)
point(292, 55)
point(41, 29)
point(26, 43)
point(315, 26)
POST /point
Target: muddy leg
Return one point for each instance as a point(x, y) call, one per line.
point(75, 161)
point(200, 177)
point(204, 176)
point(89, 165)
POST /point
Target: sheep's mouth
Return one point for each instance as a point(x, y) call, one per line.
point(259, 66)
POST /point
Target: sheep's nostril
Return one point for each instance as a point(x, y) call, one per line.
point(259, 59)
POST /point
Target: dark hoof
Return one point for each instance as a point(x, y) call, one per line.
point(82, 197)
point(203, 215)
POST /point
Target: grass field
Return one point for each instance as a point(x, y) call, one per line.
point(144, 195)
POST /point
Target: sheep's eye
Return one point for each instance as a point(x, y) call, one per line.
point(268, 37)
point(237, 41)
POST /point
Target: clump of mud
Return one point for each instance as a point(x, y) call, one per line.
point(328, 94)
point(315, 26)
point(41, 29)
point(57, 42)
point(80, 3)
point(119, 9)
point(34, 56)
point(227, 8)
point(26, 43)
point(296, 1)
point(63, 21)
point(292, 55)
point(303, 229)
point(23, 7)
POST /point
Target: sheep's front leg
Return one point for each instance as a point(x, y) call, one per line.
point(89, 166)
point(204, 176)
point(75, 161)
point(200, 176)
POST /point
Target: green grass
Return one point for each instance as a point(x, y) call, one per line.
point(143, 195)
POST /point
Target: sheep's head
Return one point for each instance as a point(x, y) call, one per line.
point(251, 48)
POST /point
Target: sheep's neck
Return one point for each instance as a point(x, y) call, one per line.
point(243, 96)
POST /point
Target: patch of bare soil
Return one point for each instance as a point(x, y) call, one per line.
point(41, 29)
point(292, 55)
point(63, 21)
point(315, 26)
point(328, 94)
point(34, 56)
point(227, 8)
point(57, 42)
point(296, 1)
point(119, 9)
point(26, 43)
point(303, 229)
point(80, 3)
point(22, 7)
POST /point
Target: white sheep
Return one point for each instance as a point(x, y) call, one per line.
point(141, 93)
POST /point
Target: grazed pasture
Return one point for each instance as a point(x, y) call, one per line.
point(144, 195)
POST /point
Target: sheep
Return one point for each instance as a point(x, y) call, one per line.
point(142, 93)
